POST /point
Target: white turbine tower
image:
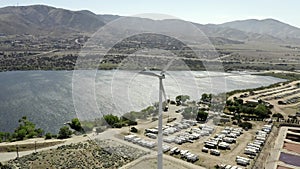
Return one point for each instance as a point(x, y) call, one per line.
point(160, 76)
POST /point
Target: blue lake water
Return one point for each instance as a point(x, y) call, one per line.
point(50, 98)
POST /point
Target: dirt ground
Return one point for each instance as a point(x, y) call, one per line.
point(151, 163)
point(205, 159)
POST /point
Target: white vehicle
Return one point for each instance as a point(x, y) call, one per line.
point(249, 151)
point(204, 149)
point(151, 135)
point(136, 140)
point(254, 145)
point(260, 138)
point(225, 132)
point(130, 137)
point(154, 131)
point(223, 145)
point(182, 152)
point(192, 157)
point(243, 158)
point(169, 139)
point(166, 148)
point(174, 150)
point(215, 152)
point(229, 140)
point(254, 148)
point(258, 142)
point(228, 167)
point(242, 162)
point(232, 135)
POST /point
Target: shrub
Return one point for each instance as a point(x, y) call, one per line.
point(111, 119)
point(246, 125)
point(64, 132)
point(134, 130)
point(76, 125)
point(118, 125)
point(202, 116)
point(48, 136)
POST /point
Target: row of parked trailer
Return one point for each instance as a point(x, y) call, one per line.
point(184, 154)
point(224, 166)
point(136, 140)
point(190, 136)
point(223, 139)
point(253, 148)
point(170, 129)
point(212, 151)
point(184, 136)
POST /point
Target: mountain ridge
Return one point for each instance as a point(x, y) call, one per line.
point(47, 20)
point(265, 26)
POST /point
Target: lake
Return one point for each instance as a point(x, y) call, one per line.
point(47, 98)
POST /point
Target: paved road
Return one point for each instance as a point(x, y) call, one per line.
point(12, 155)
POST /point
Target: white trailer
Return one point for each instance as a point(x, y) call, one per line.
point(254, 148)
point(183, 153)
point(254, 145)
point(215, 152)
point(258, 143)
point(204, 149)
point(243, 158)
point(174, 150)
point(250, 151)
point(242, 162)
point(229, 140)
point(151, 135)
point(260, 138)
point(130, 137)
point(192, 157)
point(166, 148)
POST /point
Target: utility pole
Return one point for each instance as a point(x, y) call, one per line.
point(17, 148)
point(35, 146)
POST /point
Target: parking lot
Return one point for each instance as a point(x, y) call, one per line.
point(185, 139)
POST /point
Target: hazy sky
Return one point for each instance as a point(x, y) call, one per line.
point(201, 11)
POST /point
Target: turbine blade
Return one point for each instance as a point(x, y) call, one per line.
point(168, 65)
point(149, 73)
point(164, 93)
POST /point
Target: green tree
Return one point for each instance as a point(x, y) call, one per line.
point(48, 136)
point(278, 115)
point(206, 97)
point(20, 134)
point(246, 125)
point(26, 129)
point(202, 116)
point(229, 102)
point(64, 132)
point(111, 119)
point(182, 98)
point(262, 111)
point(189, 112)
point(76, 125)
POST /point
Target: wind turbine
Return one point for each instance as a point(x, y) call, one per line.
point(160, 76)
